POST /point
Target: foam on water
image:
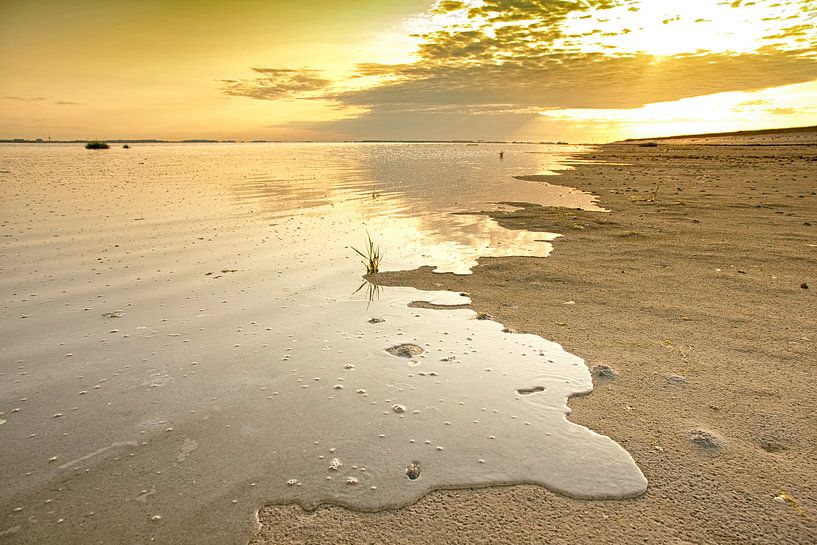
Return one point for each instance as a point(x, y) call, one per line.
point(184, 340)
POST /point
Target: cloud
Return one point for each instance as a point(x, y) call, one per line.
point(577, 81)
point(41, 99)
point(510, 59)
point(25, 99)
point(276, 84)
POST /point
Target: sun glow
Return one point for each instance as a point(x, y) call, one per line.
point(778, 107)
point(691, 26)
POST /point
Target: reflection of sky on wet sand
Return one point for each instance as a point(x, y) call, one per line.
point(175, 355)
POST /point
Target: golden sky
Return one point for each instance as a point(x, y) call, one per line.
point(577, 70)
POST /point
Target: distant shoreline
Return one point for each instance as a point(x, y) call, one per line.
point(785, 130)
point(207, 141)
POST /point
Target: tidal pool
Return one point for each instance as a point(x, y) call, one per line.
point(186, 336)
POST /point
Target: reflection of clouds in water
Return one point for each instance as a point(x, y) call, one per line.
point(411, 196)
point(454, 242)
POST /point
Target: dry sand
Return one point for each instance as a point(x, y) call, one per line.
point(695, 300)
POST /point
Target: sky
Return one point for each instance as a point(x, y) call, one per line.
point(540, 70)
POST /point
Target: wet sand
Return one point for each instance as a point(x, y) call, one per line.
point(701, 298)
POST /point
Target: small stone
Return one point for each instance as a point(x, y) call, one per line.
point(602, 373)
point(398, 408)
point(156, 518)
point(804, 286)
point(351, 480)
point(405, 350)
point(413, 471)
point(676, 379)
point(705, 439)
point(376, 321)
point(293, 482)
point(335, 464)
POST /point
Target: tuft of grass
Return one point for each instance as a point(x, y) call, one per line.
point(372, 257)
point(96, 144)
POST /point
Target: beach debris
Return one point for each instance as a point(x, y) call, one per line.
point(785, 497)
point(398, 408)
point(335, 464)
point(349, 366)
point(529, 391)
point(413, 471)
point(351, 481)
point(705, 439)
point(113, 314)
point(293, 482)
point(603, 373)
point(484, 316)
point(676, 379)
point(501, 154)
point(804, 286)
point(376, 320)
point(406, 350)
point(156, 518)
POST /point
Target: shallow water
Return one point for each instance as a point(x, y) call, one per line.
point(184, 339)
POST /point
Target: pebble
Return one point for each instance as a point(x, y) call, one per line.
point(413, 471)
point(705, 439)
point(601, 373)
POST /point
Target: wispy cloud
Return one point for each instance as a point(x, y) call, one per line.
point(277, 84)
point(41, 99)
point(25, 99)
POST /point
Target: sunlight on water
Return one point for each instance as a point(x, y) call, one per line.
point(186, 337)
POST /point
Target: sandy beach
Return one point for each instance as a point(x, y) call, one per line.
point(697, 291)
